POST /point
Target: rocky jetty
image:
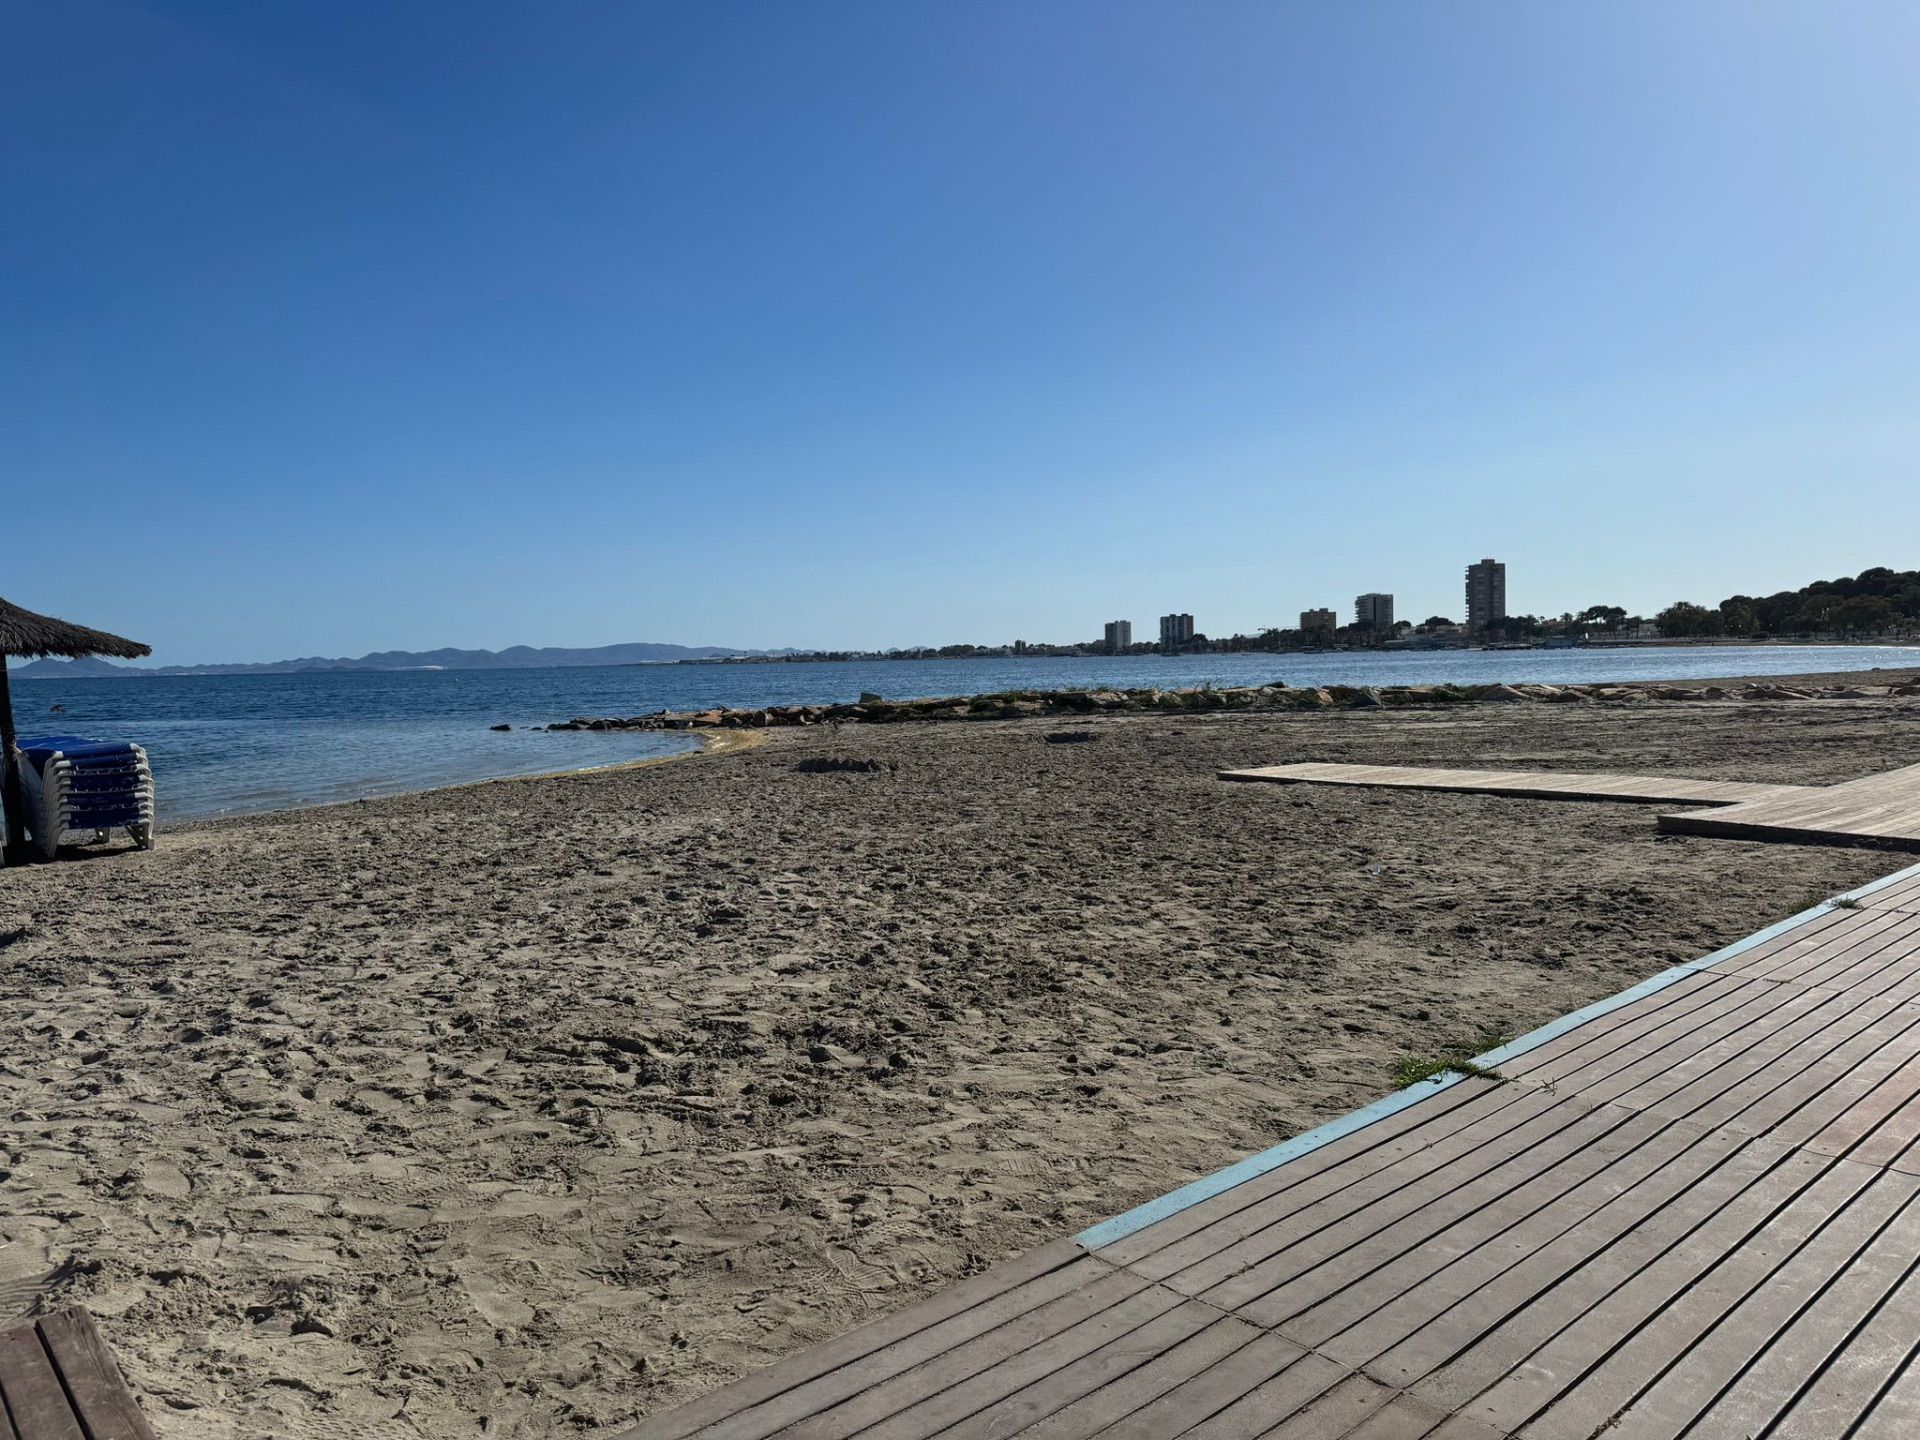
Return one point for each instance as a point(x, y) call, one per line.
point(1024, 704)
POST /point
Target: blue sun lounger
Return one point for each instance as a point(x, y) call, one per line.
point(78, 790)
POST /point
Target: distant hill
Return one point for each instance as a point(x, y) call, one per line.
point(517, 657)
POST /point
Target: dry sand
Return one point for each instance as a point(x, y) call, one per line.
point(530, 1107)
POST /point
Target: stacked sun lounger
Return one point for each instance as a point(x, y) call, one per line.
point(78, 791)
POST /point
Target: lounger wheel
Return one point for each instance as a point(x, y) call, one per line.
point(142, 836)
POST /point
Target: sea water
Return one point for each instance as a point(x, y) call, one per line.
point(234, 744)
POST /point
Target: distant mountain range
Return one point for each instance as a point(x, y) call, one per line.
point(516, 657)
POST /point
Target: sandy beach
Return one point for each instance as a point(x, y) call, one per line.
point(532, 1107)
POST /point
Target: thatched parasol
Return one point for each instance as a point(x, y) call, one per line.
point(24, 633)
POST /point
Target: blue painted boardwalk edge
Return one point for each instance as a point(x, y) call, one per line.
point(1154, 1211)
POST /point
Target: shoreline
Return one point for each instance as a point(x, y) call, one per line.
point(718, 740)
point(719, 743)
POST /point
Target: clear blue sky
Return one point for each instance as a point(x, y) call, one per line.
point(334, 326)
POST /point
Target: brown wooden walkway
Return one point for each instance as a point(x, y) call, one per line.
point(58, 1381)
point(1881, 809)
point(1690, 1210)
point(1532, 784)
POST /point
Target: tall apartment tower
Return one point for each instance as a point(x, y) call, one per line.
point(1175, 631)
point(1119, 636)
point(1486, 593)
point(1374, 610)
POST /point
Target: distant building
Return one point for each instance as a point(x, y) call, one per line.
point(1175, 631)
point(1319, 620)
point(1486, 594)
point(1374, 611)
point(1119, 636)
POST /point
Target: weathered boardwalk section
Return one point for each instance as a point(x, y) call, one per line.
point(1881, 809)
point(58, 1381)
point(1528, 784)
point(1690, 1210)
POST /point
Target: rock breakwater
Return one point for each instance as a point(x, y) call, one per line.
point(1024, 704)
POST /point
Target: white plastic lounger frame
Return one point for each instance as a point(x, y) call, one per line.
point(51, 805)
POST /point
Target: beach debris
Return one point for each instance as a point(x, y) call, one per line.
point(1071, 737)
point(840, 765)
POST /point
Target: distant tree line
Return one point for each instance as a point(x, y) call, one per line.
point(1873, 603)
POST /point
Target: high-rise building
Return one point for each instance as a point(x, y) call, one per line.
point(1175, 631)
point(1486, 593)
point(1319, 620)
point(1374, 610)
point(1119, 636)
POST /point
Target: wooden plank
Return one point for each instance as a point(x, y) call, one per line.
point(1151, 1383)
point(1685, 1360)
point(34, 1397)
point(764, 1385)
point(872, 1389)
point(1882, 809)
point(1840, 1299)
point(1883, 1134)
point(1312, 1400)
point(1536, 1343)
point(1392, 1417)
point(1513, 1252)
point(1902, 894)
point(1356, 1155)
point(107, 1408)
point(1531, 1383)
point(1738, 1064)
point(1857, 1380)
point(1435, 1323)
point(1885, 963)
point(1879, 1072)
point(1472, 1342)
point(7, 1431)
point(1276, 1293)
point(1522, 784)
point(1241, 1238)
point(1075, 1402)
point(1215, 1390)
point(1245, 1269)
point(911, 1408)
point(1666, 1020)
point(1811, 951)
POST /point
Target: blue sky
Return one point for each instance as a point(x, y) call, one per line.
point(336, 327)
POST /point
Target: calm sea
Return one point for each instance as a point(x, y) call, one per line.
point(233, 744)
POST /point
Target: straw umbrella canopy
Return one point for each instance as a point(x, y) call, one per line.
point(26, 634)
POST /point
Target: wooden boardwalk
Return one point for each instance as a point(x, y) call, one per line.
point(58, 1381)
point(1881, 809)
point(1529, 784)
point(1690, 1210)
